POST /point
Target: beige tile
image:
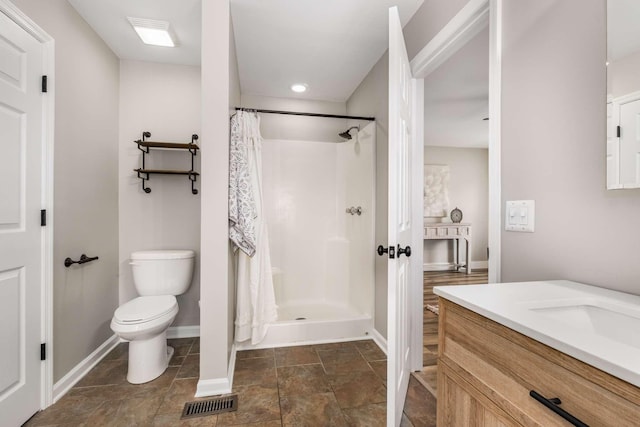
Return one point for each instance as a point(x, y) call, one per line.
point(303, 355)
point(256, 403)
point(320, 409)
point(125, 413)
point(179, 342)
point(173, 420)
point(343, 347)
point(68, 410)
point(250, 354)
point(404, 421)
point(190, 367)
point(258, 376)
point(120, 352)
point(177, 360)
point(256, 363)
point(328, 356)
point(105, 373)
point(423, 422)
point(370, 350)
point(380, 368)
point(338, 366)
point(420, 405)
point(302, 380)
point(358, 389)
point(374, 415)
point(272, 423)
point(159, 386)
point(180, 392)
point(195, 348)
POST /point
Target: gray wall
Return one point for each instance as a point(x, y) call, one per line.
point(553, 149)
point(163, 99)
point(215, 290)
point(469, 191)
point(371, 99)
point(86, 182)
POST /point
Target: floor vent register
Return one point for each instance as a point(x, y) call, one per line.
point(217, 405)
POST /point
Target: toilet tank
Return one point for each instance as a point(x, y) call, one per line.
point(165, 272)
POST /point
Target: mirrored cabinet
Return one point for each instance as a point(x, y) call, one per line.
point(623, 94)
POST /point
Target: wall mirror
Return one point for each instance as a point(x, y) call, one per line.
point(623, 94)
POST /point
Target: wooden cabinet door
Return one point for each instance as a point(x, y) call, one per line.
point(461, 405)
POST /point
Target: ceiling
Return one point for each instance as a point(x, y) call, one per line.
point(457, 98)
point(330, 45)
point(623, 31)
point(108, 18)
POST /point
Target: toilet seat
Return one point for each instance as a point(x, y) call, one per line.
point(145, 309)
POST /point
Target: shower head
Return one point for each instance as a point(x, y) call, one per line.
point(347, 133)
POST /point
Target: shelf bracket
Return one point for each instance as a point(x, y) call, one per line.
point(144, 178)
point(193, 178)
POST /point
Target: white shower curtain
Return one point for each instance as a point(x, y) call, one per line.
point(255, 298)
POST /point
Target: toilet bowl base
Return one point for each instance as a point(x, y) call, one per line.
point(148, 359)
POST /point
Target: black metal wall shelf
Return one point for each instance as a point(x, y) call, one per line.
point(145, 146)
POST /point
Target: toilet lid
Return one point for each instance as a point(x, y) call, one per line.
point(144, 309)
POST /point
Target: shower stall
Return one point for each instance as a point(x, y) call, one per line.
point(319, 205)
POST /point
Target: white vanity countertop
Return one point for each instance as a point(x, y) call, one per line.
point(598, 326)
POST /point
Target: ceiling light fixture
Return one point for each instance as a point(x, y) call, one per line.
point(156, 33)
point(299, 87)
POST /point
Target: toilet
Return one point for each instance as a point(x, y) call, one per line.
point(157, 276)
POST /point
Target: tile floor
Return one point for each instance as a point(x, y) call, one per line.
point(338, 384)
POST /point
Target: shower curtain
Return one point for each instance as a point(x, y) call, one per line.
point(255, 298)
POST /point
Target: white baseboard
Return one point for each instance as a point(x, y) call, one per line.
point(183, 331)
point(218, 386)
point(443, 266)
point(65, 383)
point(380, 340)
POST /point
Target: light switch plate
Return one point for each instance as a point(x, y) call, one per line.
point(520, 216)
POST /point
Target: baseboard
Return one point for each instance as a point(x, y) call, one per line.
point(380, 340)
point(443, 266)
point(72, 377)
point(218, 386)
point(183, 331)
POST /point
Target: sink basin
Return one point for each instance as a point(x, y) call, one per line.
point(617, 322)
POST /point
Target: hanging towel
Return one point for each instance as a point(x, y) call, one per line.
point(242, 210)
point(255, 298)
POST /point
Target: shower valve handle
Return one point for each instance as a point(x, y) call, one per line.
point(406, 251)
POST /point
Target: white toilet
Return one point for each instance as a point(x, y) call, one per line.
point(157, 276)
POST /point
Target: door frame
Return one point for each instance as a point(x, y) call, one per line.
point(464, 26)
point(46, 202)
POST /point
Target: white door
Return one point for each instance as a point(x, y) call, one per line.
point(21, 58)
point(630, 144)
point(401, 90)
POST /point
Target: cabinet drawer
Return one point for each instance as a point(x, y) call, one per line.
point(506, 366)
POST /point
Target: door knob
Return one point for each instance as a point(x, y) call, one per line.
point(406, 251)
point(390, 250)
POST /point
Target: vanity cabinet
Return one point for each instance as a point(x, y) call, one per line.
point(487, 371)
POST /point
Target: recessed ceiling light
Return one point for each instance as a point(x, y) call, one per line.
point(156, 33)
point(299, 87)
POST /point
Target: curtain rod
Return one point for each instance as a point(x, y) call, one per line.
point(295, 113)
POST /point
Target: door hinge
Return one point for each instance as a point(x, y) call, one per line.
point(618, 131)
point(43, 351)
point(487, 254)
point(43, 217)
point(44, 84)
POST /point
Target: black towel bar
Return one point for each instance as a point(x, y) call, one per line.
point(83, 260)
